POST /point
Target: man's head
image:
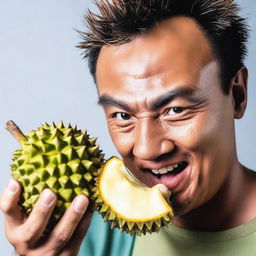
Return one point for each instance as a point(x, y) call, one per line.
point(120, 21)
point(167, 114)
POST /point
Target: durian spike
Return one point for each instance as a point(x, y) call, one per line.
point(15, 131)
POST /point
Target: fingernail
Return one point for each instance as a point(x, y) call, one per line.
point(80, 204)
point(12, 187)
point(47, 197)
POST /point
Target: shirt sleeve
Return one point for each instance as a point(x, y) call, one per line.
point(101, 240)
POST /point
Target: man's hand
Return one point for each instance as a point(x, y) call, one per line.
point(26, 234)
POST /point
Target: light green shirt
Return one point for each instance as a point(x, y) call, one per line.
point(175, 241)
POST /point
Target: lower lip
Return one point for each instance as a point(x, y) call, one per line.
point(172, 181)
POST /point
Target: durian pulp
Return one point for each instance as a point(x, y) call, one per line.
point(128, 199)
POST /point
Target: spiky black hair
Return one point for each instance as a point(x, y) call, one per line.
point(119, 20)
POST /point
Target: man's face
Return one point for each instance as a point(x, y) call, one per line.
point(166, 112)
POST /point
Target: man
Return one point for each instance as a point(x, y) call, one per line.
point(171, 80)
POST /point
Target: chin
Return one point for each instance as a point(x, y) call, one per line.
point(183, 202)
point(181, 209)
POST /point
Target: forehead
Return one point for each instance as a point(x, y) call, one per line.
point(173, 52)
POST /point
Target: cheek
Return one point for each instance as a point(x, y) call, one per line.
point(202, 133)
point(122, 141)
point(192, 136)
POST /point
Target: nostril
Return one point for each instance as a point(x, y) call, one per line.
point(165, 156)
point(154, 154)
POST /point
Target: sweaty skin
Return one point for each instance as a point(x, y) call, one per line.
point(164, 104)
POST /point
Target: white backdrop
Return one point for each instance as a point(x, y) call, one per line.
point(43, 78)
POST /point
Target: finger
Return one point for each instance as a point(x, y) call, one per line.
point(73, 246)
point(9, 204)
point(63, 231)
point(37, 221)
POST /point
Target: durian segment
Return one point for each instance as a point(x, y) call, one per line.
point(61, 158)
point(127, 204)
point(120, 194)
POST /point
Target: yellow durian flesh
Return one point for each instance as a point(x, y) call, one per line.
point(127, 204)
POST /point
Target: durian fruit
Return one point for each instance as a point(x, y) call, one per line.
point(69, 162)
point(64, 159)
point(128, 204)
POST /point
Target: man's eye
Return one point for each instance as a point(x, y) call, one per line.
point(122, 116)
point(175, 110)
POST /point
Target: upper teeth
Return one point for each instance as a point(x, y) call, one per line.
point(164, 169)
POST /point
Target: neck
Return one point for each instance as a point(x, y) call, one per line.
point(233, 205)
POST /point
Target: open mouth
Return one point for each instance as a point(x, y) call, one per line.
point(169, 170)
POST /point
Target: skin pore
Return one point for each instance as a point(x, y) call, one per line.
point(164, 105)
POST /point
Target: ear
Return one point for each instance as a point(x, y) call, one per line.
point(239, 92)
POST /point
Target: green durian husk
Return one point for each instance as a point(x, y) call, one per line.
point(63, 159)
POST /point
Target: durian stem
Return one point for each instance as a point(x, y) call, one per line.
point(15, 131)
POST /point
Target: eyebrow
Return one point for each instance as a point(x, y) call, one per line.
point(162, 100)
point(108, 100)
point(183, 92)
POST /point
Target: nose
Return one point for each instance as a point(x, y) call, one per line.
point(151, 140)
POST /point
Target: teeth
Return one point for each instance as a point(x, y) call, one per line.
point(164, 169)
point(155, 171)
